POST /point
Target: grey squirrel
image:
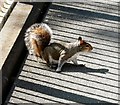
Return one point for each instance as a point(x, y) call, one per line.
point(37, 40)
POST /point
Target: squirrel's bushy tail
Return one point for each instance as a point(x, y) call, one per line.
point(37, 37)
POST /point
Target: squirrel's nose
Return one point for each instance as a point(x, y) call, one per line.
point(91, 47)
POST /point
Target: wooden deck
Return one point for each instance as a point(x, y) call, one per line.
point(97, 82)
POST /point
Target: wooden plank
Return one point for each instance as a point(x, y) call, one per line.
point(93, 6)
point(5, 10)
point(12, 28)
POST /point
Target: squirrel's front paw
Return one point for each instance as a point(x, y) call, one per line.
point(58, 70)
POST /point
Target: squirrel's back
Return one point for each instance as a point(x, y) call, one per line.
point(37, 37)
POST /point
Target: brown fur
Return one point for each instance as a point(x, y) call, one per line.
point(45, 39)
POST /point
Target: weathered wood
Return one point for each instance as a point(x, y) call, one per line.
point(12, 28)
point(95, 83)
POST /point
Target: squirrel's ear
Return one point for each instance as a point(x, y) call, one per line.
point(80, 38)
point(81, 41)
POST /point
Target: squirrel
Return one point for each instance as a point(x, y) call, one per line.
point(37, 40)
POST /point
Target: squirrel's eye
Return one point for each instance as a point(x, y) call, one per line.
point(87, 45)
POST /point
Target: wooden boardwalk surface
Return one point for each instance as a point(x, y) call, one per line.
point(97, 82)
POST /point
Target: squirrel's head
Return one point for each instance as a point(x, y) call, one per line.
point(84, 46)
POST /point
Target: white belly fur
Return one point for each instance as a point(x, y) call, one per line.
point(53, 61)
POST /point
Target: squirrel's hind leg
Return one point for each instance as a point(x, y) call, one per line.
point(53, 66)
point(52, 63)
